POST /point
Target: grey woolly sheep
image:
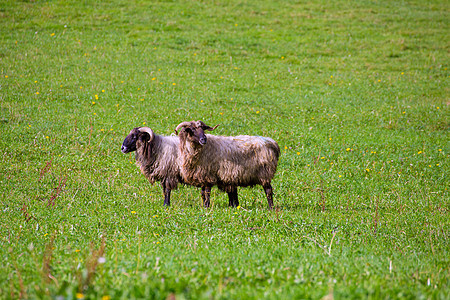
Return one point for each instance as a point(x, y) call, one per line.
point(156, 156)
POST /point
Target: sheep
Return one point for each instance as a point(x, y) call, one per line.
point(226, 161)
point(156, 156)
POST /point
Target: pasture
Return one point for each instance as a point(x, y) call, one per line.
point(355, 93)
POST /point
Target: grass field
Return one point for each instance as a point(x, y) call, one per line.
point(356, 93)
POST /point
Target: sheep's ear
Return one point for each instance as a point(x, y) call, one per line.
point(206, 127)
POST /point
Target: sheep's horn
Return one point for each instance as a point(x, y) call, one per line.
point(149, 131)
point(204, 126)
point(181, 125)
point(211, 128)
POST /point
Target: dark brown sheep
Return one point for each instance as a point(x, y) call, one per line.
point(226, 161)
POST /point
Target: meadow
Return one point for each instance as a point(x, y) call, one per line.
point(356, 93)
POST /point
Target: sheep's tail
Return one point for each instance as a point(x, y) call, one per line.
point(272, 146)
point(276, 149)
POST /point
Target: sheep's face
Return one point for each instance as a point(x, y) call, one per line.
point(135, 135)
point(195, 132)
point(196, 135)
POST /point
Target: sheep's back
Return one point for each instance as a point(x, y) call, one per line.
point(241, 160)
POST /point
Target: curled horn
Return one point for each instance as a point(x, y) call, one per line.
point(181, 125)
point(147, 130)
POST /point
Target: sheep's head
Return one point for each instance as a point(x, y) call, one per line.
point(194, 131)
point(135, 137)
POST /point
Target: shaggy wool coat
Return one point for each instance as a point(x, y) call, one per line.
point(157, 160)
point(228, 161)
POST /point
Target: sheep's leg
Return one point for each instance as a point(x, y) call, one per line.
point(269, 193)
point(206, 193)
point(233, 198)
point(166, 196)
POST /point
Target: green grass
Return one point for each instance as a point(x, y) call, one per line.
point(355, 93)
